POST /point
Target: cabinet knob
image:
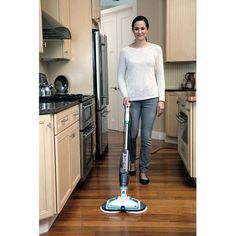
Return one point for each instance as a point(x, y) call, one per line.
point(72, 135)
point(49, 125)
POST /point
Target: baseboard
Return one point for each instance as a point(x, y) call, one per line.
point(162, 136)
point(158, 135)
point(171, 140)
point(45, 225)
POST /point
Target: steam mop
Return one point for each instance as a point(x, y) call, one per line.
point(124, 203)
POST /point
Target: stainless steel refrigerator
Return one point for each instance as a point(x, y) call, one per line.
point(100, 73)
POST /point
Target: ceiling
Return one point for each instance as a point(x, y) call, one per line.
point(105, 4)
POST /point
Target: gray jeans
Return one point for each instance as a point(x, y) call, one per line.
point(144, 110)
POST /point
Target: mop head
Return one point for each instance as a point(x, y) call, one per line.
point(120, 204)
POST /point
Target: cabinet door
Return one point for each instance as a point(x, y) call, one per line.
point(64, 19)
point(40, 29)
point(59, 10)
point(96, 11)
point(170, 114)
point(171, 109)
point(67, 145)
point(181, 30)
point(75, 154)
point(47, 202)
point(62, 145)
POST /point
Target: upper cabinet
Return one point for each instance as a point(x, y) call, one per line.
point(180, 30)
point(60, 11)
point(40, 29)
point(96, 13)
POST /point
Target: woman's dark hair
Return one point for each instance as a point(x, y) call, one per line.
point(140, 18)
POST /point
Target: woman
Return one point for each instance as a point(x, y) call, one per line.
point(142, 84)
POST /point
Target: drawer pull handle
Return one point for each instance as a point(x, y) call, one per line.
point(64, 121)
point(76, 114)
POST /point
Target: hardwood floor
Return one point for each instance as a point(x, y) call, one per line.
point(170, 197)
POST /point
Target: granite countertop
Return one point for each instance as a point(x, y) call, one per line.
point(188, 94)
point(55, 107)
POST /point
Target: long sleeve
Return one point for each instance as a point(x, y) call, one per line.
point(160, 75)
point(121, 74)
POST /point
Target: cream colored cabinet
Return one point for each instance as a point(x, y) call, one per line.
point(67, 148)
point(171, 109)
point(54, 50)
point(40, 29)
point(47, 200)
point(57, 49)
point(180, 30)
point(74, 142)
point(96, 12)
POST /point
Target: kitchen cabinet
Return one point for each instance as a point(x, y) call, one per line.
point(67, 153)
point(180, 30)
point(171, 109)
point(40, 29)
point(47, 200)
point(96, 12)
point(57, 49)
point(54, 50)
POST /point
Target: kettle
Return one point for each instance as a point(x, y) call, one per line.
point(190, 80)
point(45, 90)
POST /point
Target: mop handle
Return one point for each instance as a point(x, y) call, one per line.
point(126, 124)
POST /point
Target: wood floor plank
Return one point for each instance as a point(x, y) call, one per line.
point(170, 197)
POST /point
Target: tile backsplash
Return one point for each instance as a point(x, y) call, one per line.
point(175, 72)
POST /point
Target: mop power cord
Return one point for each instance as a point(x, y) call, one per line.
point(124, 203)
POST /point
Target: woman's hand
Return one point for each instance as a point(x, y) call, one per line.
point(160, 108)
point(125, 100)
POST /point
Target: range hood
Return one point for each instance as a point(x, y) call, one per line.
point(53, 29)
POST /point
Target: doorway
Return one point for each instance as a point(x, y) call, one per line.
point(116, 24)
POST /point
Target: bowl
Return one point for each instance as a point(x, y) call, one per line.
point(61, 84)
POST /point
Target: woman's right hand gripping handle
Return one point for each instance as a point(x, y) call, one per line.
point(126, 101)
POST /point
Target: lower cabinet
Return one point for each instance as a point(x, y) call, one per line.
point(67, 163)
point(59, 162)
point(171, 109)
point(47, 199)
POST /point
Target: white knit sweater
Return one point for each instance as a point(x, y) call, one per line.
point(141, 73)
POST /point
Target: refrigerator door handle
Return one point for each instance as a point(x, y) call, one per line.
point(98, 66)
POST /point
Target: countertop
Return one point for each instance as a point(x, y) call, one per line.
point(55, 107)
point(187, 95)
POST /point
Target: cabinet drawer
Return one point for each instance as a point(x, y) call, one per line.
point(64, 119)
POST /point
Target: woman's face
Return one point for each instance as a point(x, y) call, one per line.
point(140, 30)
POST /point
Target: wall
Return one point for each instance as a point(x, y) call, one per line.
point(105, 4)
point(78, 70)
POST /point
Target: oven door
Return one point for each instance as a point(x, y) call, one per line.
point(87, 156)
point(183, 138)
point(87, 113)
